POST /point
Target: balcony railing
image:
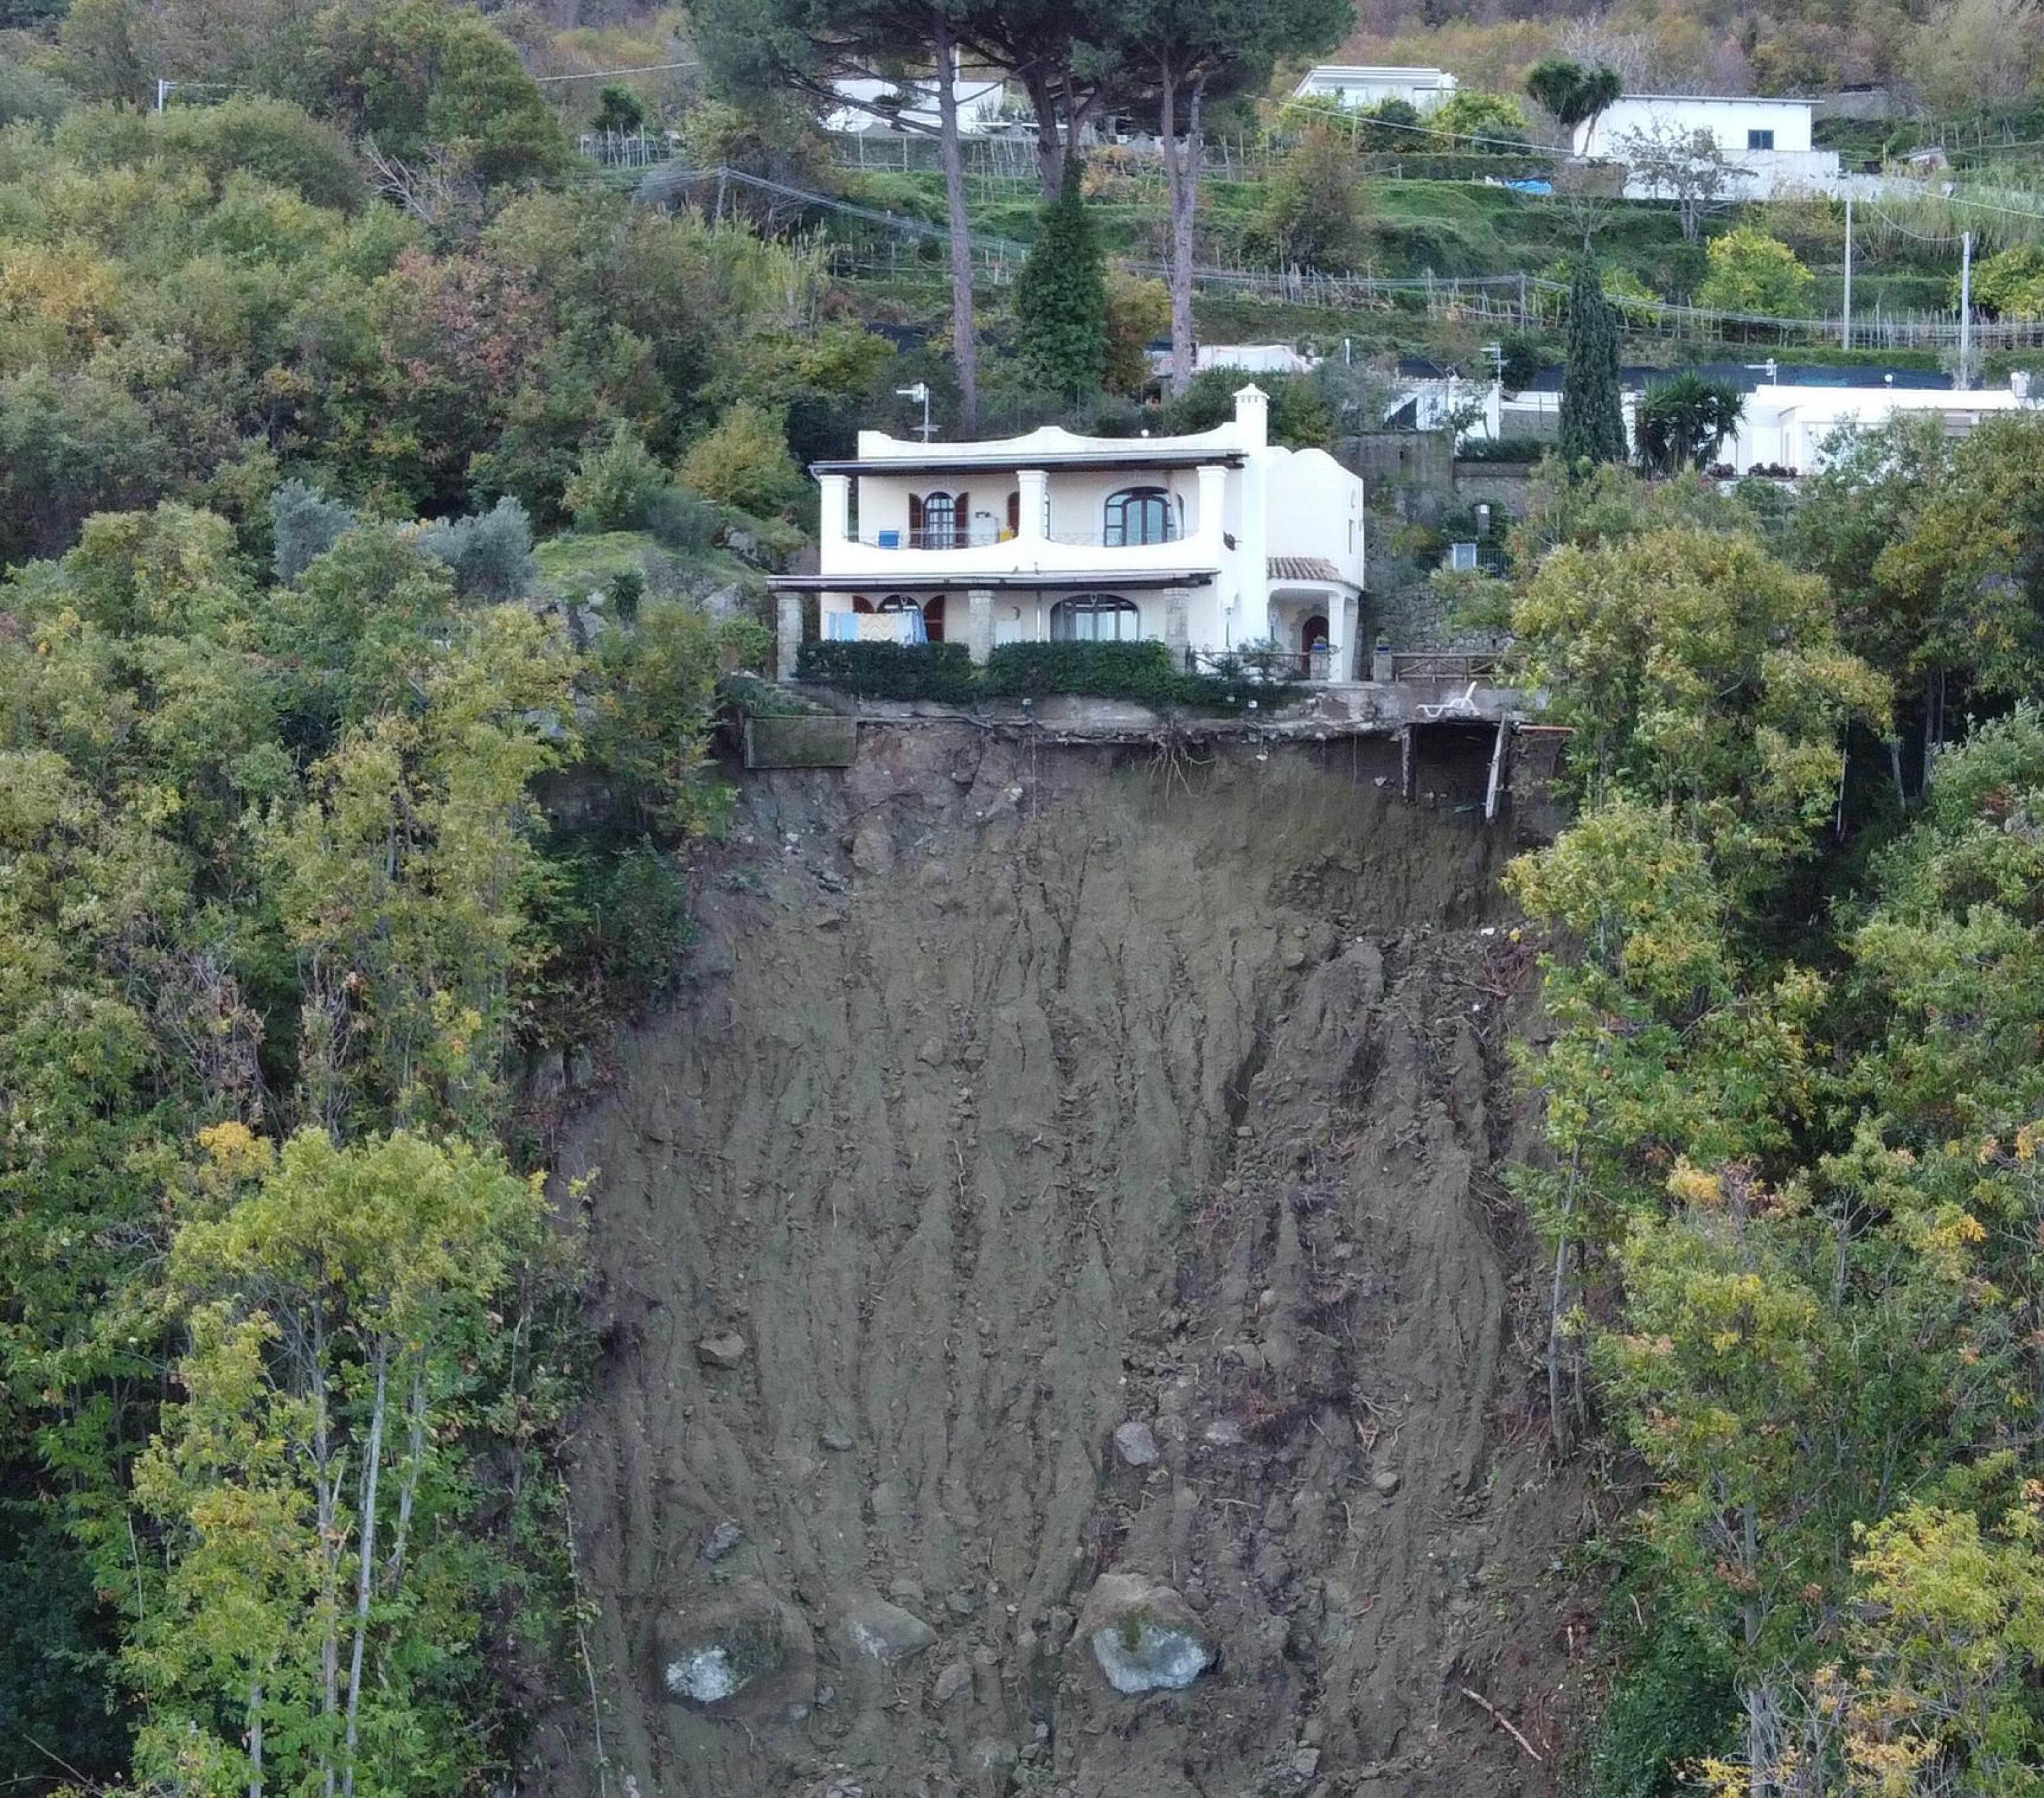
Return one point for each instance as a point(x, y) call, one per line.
point(888, 538)
point(949, 539)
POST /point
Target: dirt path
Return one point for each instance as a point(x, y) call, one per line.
point(1019, 1096)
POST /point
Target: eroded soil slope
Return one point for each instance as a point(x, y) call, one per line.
point(1022, 1093)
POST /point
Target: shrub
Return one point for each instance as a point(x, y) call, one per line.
point(1315, 205)
point(627, 589)
point(1480, 120)
point(27, 93)
point(282, 143)
point(679, 520)
point(304, 525)
point(1143, 673)
point(743, 462)
point(612, 482)
point(491, 554)
point(890, 671)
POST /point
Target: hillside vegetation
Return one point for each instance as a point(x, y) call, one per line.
point(383, 498)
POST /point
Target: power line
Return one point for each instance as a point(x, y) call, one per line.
point(1356, 121)
point(598, 75)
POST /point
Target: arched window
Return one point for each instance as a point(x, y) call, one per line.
point(899, 602)
point(1141, 515)
point(937, 520)
point(1095, 618)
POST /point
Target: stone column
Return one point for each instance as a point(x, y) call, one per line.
point(979, 623)
point(787, 633)
point(1178, 628)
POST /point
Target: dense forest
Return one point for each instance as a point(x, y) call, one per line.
point(286, 1334)
point(370, 477)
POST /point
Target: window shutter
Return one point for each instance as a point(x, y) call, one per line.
point(1015, 514)
point(962, 521)
point(915, 518)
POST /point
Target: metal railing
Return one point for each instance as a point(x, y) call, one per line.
point(1427, 665)
point(889, 539)
point(1268, 663)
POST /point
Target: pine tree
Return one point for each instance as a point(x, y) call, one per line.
point(1061, 296)
point(1593, 426)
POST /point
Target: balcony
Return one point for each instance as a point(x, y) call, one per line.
point(1056, 535)
point(885, 537)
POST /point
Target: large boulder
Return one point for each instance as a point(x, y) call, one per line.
point(1143, 1635)
point(881, 1631)
point(741, 1650)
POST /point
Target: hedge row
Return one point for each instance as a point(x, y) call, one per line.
point(891, 671)
point(1143, 673)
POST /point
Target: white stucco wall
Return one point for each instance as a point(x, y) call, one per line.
point(1727, 119)
point(1316, 508)
point(1789, 426)
point(1358, 87)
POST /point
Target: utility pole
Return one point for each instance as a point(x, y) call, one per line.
point(163, 90)
point(1845, 331)
point(1966, 309)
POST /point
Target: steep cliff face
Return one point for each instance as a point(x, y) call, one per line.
point(1066, 1162)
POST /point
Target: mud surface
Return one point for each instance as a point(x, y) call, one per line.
point(1022, 1095)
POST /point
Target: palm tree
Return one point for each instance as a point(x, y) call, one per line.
point(1574, 94)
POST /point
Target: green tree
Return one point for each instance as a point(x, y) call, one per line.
point(1684, 423)
point(618, 110)
point(303, 1497)
point(1593, 424)
point(1751, 272)
point(1392, 125)
point(1061, 298)
point(1315, 205)
point(743, 462)
point(1574, 94)
point(1195, 51)
point(1474, 120)
point(2009, 284)
point(1138, 312)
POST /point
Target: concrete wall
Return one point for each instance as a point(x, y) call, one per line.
point(1728, 121)
point(1394, 459)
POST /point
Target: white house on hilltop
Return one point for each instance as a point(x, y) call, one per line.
point(1358, 86)
point(1788, 427)
point(1215, 541)
point(1765, 144)
point(874, 104)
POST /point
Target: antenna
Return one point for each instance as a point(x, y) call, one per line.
point(919, 391)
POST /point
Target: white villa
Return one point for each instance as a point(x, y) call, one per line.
point(1787, 427)
point(1212, 542)
point(1358, 86)
point(866, 104)
point(1765, 144)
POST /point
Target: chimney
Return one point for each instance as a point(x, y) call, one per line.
point(1252, 412)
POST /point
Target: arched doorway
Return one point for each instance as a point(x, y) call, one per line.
point(1313, 634)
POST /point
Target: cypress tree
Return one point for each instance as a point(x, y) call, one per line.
point(1061, 296)
point(1593, 425)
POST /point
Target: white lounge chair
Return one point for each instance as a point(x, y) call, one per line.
point(1463, 705)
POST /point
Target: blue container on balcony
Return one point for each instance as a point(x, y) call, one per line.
point(890, 539)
